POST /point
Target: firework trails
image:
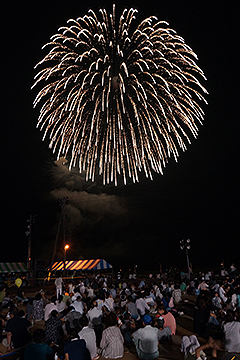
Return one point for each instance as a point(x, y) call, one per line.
point(119, 99)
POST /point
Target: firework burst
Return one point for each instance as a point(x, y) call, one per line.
point(118, 99)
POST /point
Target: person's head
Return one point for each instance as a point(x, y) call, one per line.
point(21, 313)
point(54, 313)
point(230, 315)
point(147, 320)
point(53, 299)
point(83, 321)
point(13, 312)
point(60, 298)
point(79, 298)
point(111, 319)
point(160, 322)
point(38, 296)
point(161, 309)
point(130, 298)
point(72, 333)
point(38, 336)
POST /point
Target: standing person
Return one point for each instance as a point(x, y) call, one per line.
point(146, 340)
point(112, 340)
point(17, 331)
point(75, 349)
point(58, 284)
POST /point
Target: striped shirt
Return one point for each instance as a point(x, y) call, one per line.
point(112, 343)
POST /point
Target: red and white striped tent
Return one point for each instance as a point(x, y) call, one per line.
point(94, 264)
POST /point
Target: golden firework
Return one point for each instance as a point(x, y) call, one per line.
point(119, 99)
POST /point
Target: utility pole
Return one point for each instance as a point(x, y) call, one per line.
point(62, 203)
point(29, 235)
point(185, 244)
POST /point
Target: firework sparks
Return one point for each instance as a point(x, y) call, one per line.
point(118, 100)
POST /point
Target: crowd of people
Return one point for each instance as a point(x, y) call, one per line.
point(97, 317)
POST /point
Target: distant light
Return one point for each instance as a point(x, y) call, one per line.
point(66, 247)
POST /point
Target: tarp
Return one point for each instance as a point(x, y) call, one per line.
point(6, 267)
point(95, 264)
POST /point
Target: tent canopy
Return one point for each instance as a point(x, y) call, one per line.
point(95, 264)
point(6, 267)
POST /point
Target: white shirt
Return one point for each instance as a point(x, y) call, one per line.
point(48, 309)
point(78, 306)
point(58, 283)
point(222, 293)
point(142, 306)
point(89, 336)
point(148, 339)
point(95, 317)
point(232, 336)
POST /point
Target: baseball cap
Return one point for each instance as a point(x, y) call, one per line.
point(147, 319)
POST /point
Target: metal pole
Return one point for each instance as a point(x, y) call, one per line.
point(29, 232)
point(64, 235)
point(188, 265)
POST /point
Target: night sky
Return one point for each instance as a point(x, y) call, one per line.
point(196, 198)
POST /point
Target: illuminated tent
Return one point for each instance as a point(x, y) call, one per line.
point(95, 264)
point(6, 267)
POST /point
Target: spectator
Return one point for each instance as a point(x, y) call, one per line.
point(61, 306)
point(231, 329)
point(72, 318)
point(95, 321)
point(2, 293)
point(50, 307)
point(131, 308)
point(141, 304)
point(177, 294)
point(17, 331)
point(37, 350)
point(112, 340)
point(75, 349)
point(38, 306)
point(146, 340)
point(58, 284)
point(78, 305)
point(89, 336)
point(53, 328)
point(166, 333)
point(169, 320)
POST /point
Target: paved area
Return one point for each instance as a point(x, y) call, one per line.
point(166, 351)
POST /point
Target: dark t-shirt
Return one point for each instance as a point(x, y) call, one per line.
point(37, 351)
point(19, 329)
point(76, 349)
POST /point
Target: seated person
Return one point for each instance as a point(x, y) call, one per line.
point(146, 340)
point(112, 339)
point(75, 348)
point(37, 350)
point(166, 334)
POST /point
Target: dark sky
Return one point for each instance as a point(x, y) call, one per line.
point(196, 198)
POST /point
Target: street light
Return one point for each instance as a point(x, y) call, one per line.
point(185, 244)
point(66, 247)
